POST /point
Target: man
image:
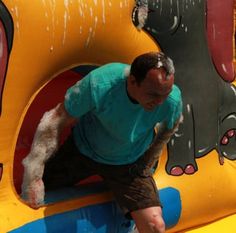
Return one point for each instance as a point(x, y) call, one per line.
point(118, 107)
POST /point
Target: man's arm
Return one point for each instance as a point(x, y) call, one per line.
point(162, 137)
point(45, 144)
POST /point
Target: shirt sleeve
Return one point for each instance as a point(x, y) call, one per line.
point(79, 99)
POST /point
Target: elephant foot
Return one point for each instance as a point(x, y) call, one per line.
point(227, 147)
point(178, 171)
point(228, 135)
point(189, 169)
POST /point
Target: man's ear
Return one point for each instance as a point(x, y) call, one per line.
point(132, 80)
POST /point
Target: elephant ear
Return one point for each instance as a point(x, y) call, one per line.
point(220, 30)
point(6, 38)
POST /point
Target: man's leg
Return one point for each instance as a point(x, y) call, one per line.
point(137, 195)
point(149, 220)
point(66, 167)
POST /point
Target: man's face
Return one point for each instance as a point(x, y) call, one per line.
point(154, 89)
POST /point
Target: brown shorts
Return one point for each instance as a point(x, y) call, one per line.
point(132, 184)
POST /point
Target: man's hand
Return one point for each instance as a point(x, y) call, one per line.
point(163, 136)
point(33, 194)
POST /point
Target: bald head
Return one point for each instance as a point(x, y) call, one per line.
point(148, 61)
point(160, 80)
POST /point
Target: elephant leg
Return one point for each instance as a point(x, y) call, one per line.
point(227, 140)
point(226, 144)
point(181, 147)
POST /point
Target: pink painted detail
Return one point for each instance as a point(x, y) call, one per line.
point(224, 140)
point(220, 28)
point(1, 170)
point(231, 133)
point(176, 171)
point(221, 160)
point(189, 169)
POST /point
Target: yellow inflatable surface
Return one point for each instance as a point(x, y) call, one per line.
point(41, 42)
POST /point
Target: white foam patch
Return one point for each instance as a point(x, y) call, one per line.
point(16, 11)
point(127, 71)
point(66, 18)
point(66, 3)
point(103, 12)
point(67, 97)
point(91, 11)
point(45, 143)
point(142, 16)
point(76, 90)
point(159, 64)
point(65, 27)
point(89, 36)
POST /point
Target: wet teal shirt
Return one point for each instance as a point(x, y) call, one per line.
point(112, 129)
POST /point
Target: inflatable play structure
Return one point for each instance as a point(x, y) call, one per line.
point(47, 45)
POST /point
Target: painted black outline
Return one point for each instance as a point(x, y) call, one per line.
point(1, 173)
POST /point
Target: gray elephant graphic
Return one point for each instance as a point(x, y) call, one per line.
point(179, 27)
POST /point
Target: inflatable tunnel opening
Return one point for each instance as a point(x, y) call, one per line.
point(48, 97)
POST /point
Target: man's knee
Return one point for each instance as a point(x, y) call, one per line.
point(149, 220)
point(157, 224)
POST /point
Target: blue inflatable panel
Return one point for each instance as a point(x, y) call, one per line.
point(171, 202)
point(99, 218)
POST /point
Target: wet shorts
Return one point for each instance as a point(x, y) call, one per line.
point(132, 184)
